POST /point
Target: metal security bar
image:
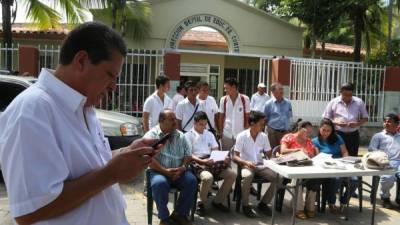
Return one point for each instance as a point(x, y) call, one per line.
point(9, 57)
point(136, 82)
point(313, 83)
point(48, 56)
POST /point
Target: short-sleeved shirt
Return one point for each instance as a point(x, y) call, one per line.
point(387, 142)
point(154, 105)
point(174, 151)
point(278, 113)
point(332, 149)
point(290, 141)
point(210, 107)
point(184, 112)
point(175, 100)
point(338, 110)
point(201, 144)
point(258, 101)
point(249, 149)
point(45, 141)
point(234, 115)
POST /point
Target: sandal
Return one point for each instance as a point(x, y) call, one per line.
point(301, 215)
point(310, 214)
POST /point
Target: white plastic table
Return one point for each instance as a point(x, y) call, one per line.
point(316, 171)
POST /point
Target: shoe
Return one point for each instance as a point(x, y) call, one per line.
point(180, 220)
point(264, 209)
point(301, 215)
point(310, 214)
point(168, 221)
point(249, 212)
point(201, 210)
point(386, 203)
point(334, 209)
point(253, 191)
point(220, 207)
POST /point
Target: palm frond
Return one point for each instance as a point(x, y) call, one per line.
point(42, 15)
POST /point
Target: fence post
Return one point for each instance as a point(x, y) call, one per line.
point(281, 74)
point(392, 90)
point(172, 69)
point(28, 57)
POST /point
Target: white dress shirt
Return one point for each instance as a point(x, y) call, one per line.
point(211, 108)
point(201, 144)
point(175, 100)
point(258, 101)
point(234, 116)
point(44, 141)
point(251, 150)
point(153, 105)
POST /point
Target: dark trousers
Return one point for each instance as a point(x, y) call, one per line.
point(351, 140)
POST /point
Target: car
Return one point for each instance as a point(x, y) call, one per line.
point(120, 129)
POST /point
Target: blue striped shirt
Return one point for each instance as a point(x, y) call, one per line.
point(174, 151)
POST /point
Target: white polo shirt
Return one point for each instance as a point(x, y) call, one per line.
point(44, 141)
point(211, 108)
point(153, 105)
point(185, 110)
point(258, 101)
point(234, 116)
point(251, 150)
point(175, 100)
point(201, 144)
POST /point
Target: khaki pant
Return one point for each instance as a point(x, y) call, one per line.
point(275, 137)
point(309, 203)
point(247, 179)
point(207, 179)
point(227, 143)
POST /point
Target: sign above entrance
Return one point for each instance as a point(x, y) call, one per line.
point(204, 20)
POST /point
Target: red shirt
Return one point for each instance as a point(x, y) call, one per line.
point(290, 141)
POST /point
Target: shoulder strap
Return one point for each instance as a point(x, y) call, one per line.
point(244, 109)
point(190, 119)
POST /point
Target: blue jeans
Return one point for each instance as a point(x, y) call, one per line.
point(161, 185)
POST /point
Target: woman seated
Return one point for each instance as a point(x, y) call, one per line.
point(299, 140)
point(330, 143)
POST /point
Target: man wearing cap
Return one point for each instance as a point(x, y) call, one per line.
point(259, 98)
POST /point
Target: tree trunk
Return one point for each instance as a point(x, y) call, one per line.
point(7, 34)
point(357, 36)
point(114, 15)
point(389, 37)
point(322, 49)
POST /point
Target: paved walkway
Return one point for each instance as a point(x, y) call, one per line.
point(137, 215)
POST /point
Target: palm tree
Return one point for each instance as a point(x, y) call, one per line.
point(366, 16)
point(131, 17)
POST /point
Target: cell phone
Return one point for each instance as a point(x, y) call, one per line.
point(162, 140)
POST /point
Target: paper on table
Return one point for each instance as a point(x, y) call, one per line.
point(322, 157)
point(218, 155)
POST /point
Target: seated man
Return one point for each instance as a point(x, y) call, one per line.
point(250, 144)
point(388, 141)
point(168, 169)
point(203, 142)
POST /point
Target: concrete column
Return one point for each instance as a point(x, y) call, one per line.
point(281, 73)
point(172, 69)
point(392, 91)
point(28, 60)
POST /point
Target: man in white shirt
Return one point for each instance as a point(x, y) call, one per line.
point(186, 108)
point(251, 145)
point(259, 98)
point(234, 113)
point(156, 102)
point(179, 96)
point(209, 104)
point(57, 164)
point(203, 142)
